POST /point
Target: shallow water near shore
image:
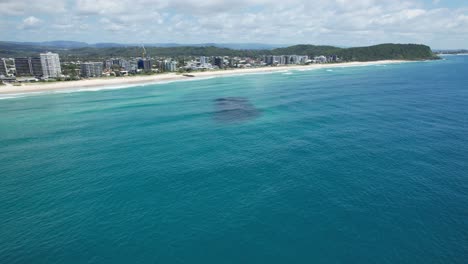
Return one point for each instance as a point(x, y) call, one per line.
point(99, 84)
point(354, 165)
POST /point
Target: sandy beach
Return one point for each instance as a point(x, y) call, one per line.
point(166, 77)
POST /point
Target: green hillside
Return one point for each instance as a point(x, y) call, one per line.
point(378, 52)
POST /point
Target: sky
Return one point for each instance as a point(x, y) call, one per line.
point(438, 23)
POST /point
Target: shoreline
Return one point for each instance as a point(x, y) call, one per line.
point(90, 84)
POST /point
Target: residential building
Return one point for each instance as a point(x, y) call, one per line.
point(50, 65)
point(274, 60)
point(124, 64)
point(333, 58)
point(145, 65)
point(91, 69)
point(268, 60)
point(320, 59)
point(23, 67)
point(203, 60)
point(36, 67)
point(3, 68)
point(107, 64)
point(170, 66)
point(232, 62)
point(219, 61)
point(133, 66)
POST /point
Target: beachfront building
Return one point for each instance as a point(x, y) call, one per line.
point(333, 58)
point(37, 68)
point(46, 66)
point(145, 65)
point(282, 60)
point(296, 59)
point(116, 63)
point(3, 68)
point(29, 67)
point(133, 66)
point(203, 60)
point(170, 66)
point(219, 61)
point(320, 59)
point(107, 64)
point(91, 69)
point(23, 67)
point(50, 65)
point(285, 59)
point(124, 64)
point(274, 60)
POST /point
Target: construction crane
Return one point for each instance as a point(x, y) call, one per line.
point(143, 53)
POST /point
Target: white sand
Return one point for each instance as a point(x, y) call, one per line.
point(138, 80)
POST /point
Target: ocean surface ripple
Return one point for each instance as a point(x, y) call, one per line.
point(354, 165)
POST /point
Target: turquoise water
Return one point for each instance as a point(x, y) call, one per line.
point(348, 165)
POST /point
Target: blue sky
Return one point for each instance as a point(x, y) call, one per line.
point(438, 23)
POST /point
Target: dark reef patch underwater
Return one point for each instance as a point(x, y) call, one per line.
point(234, 109)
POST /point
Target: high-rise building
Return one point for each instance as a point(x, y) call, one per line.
point(3, 68)
point(219, 61)
point(23, 66)
point(50, 65)
point(36, 67)
point(170, 66)
point(126, 65)
point(145, 65)
point(123, 64)
point(274, 60)
point(161, 65)
point(91, 69)
point(107, 64)
point(29, 67)
point(47, 65)
point(320, 59)
point(133, 66)
point(303, 59)
point(203, 60)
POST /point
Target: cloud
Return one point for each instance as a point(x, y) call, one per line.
point(31, 22)
point(102, 7)
point(22, 7)
point(337, 22)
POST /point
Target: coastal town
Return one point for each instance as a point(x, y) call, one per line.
point(47, 66)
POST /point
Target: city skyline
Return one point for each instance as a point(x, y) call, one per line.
point(441, 24)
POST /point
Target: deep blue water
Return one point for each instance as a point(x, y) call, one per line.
point(349, 165)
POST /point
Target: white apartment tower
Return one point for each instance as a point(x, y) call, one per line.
point(50, 65)
point(203, 60)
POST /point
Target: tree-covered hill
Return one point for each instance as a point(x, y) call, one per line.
point(388, 52)
point(310, 50)
point(378, 52)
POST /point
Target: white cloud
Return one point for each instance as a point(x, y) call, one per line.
point(101, 7)
point(31, 22)
point(22, 7)
point(338, 22)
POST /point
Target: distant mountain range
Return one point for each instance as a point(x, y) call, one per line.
point(452, 51)
point(62, 44)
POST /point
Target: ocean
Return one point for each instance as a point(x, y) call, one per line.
point(344, 165)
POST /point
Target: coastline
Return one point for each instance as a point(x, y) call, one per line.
point(90, 84)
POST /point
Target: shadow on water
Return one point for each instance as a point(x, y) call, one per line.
point(234, 110)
